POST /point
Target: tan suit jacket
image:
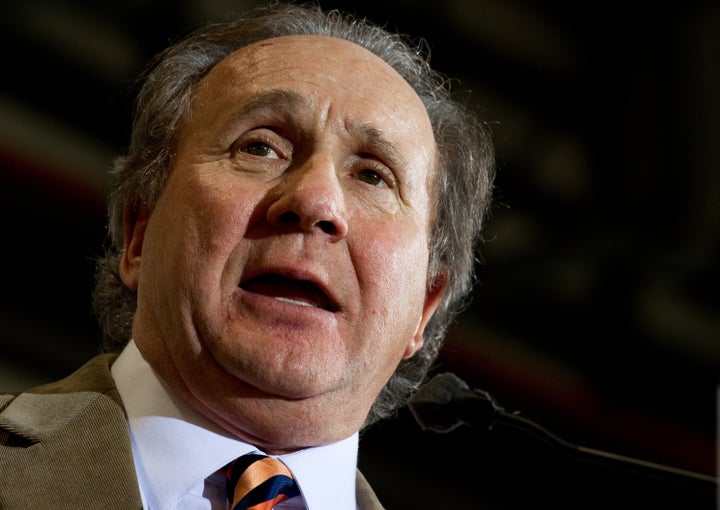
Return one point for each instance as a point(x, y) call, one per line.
point(65, 445)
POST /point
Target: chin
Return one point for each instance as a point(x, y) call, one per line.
point(281, 426)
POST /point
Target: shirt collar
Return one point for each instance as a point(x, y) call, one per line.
point(176, 448)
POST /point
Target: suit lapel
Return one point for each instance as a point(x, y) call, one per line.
point(66, 444)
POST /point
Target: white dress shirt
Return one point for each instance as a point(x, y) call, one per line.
point(177, 451)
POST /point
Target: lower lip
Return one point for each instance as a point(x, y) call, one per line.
point(293, 302)
point(281, 310)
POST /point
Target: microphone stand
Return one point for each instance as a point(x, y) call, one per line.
point(446, 402)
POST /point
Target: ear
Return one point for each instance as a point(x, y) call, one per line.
point(433, 295)
point(135, 223)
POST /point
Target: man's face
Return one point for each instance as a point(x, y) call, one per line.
point(281, 277)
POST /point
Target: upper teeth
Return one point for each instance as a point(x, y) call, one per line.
point(293, 301)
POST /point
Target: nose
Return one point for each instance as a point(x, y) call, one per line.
point(310, 198)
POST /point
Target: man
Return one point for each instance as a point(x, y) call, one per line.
point(293, 230)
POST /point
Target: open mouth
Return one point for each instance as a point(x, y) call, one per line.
point(290, 290)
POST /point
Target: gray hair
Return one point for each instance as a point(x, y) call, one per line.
point(462, 189)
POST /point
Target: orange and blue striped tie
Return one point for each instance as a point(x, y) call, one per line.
point(258, 482)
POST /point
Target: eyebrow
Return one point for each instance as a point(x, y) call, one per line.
point(372, 137)
point(369, 136)
point(286, 99)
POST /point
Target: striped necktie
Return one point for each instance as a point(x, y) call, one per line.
point(258, 482)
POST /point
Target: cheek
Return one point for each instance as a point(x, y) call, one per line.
point(191, 235)
point(216, 217)
point(391, 269)
point(393, 264)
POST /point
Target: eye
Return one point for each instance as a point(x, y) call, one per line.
point(371, 177)
point(260, 149)
point(262, 143)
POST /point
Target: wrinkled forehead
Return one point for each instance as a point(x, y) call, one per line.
point(323, 60)
point(334, 75)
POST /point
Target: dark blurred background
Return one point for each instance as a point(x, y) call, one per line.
point(596, 308)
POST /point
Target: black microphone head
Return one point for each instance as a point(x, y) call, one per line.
point(429, 404)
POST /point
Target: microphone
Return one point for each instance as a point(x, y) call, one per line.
point(446, 402)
